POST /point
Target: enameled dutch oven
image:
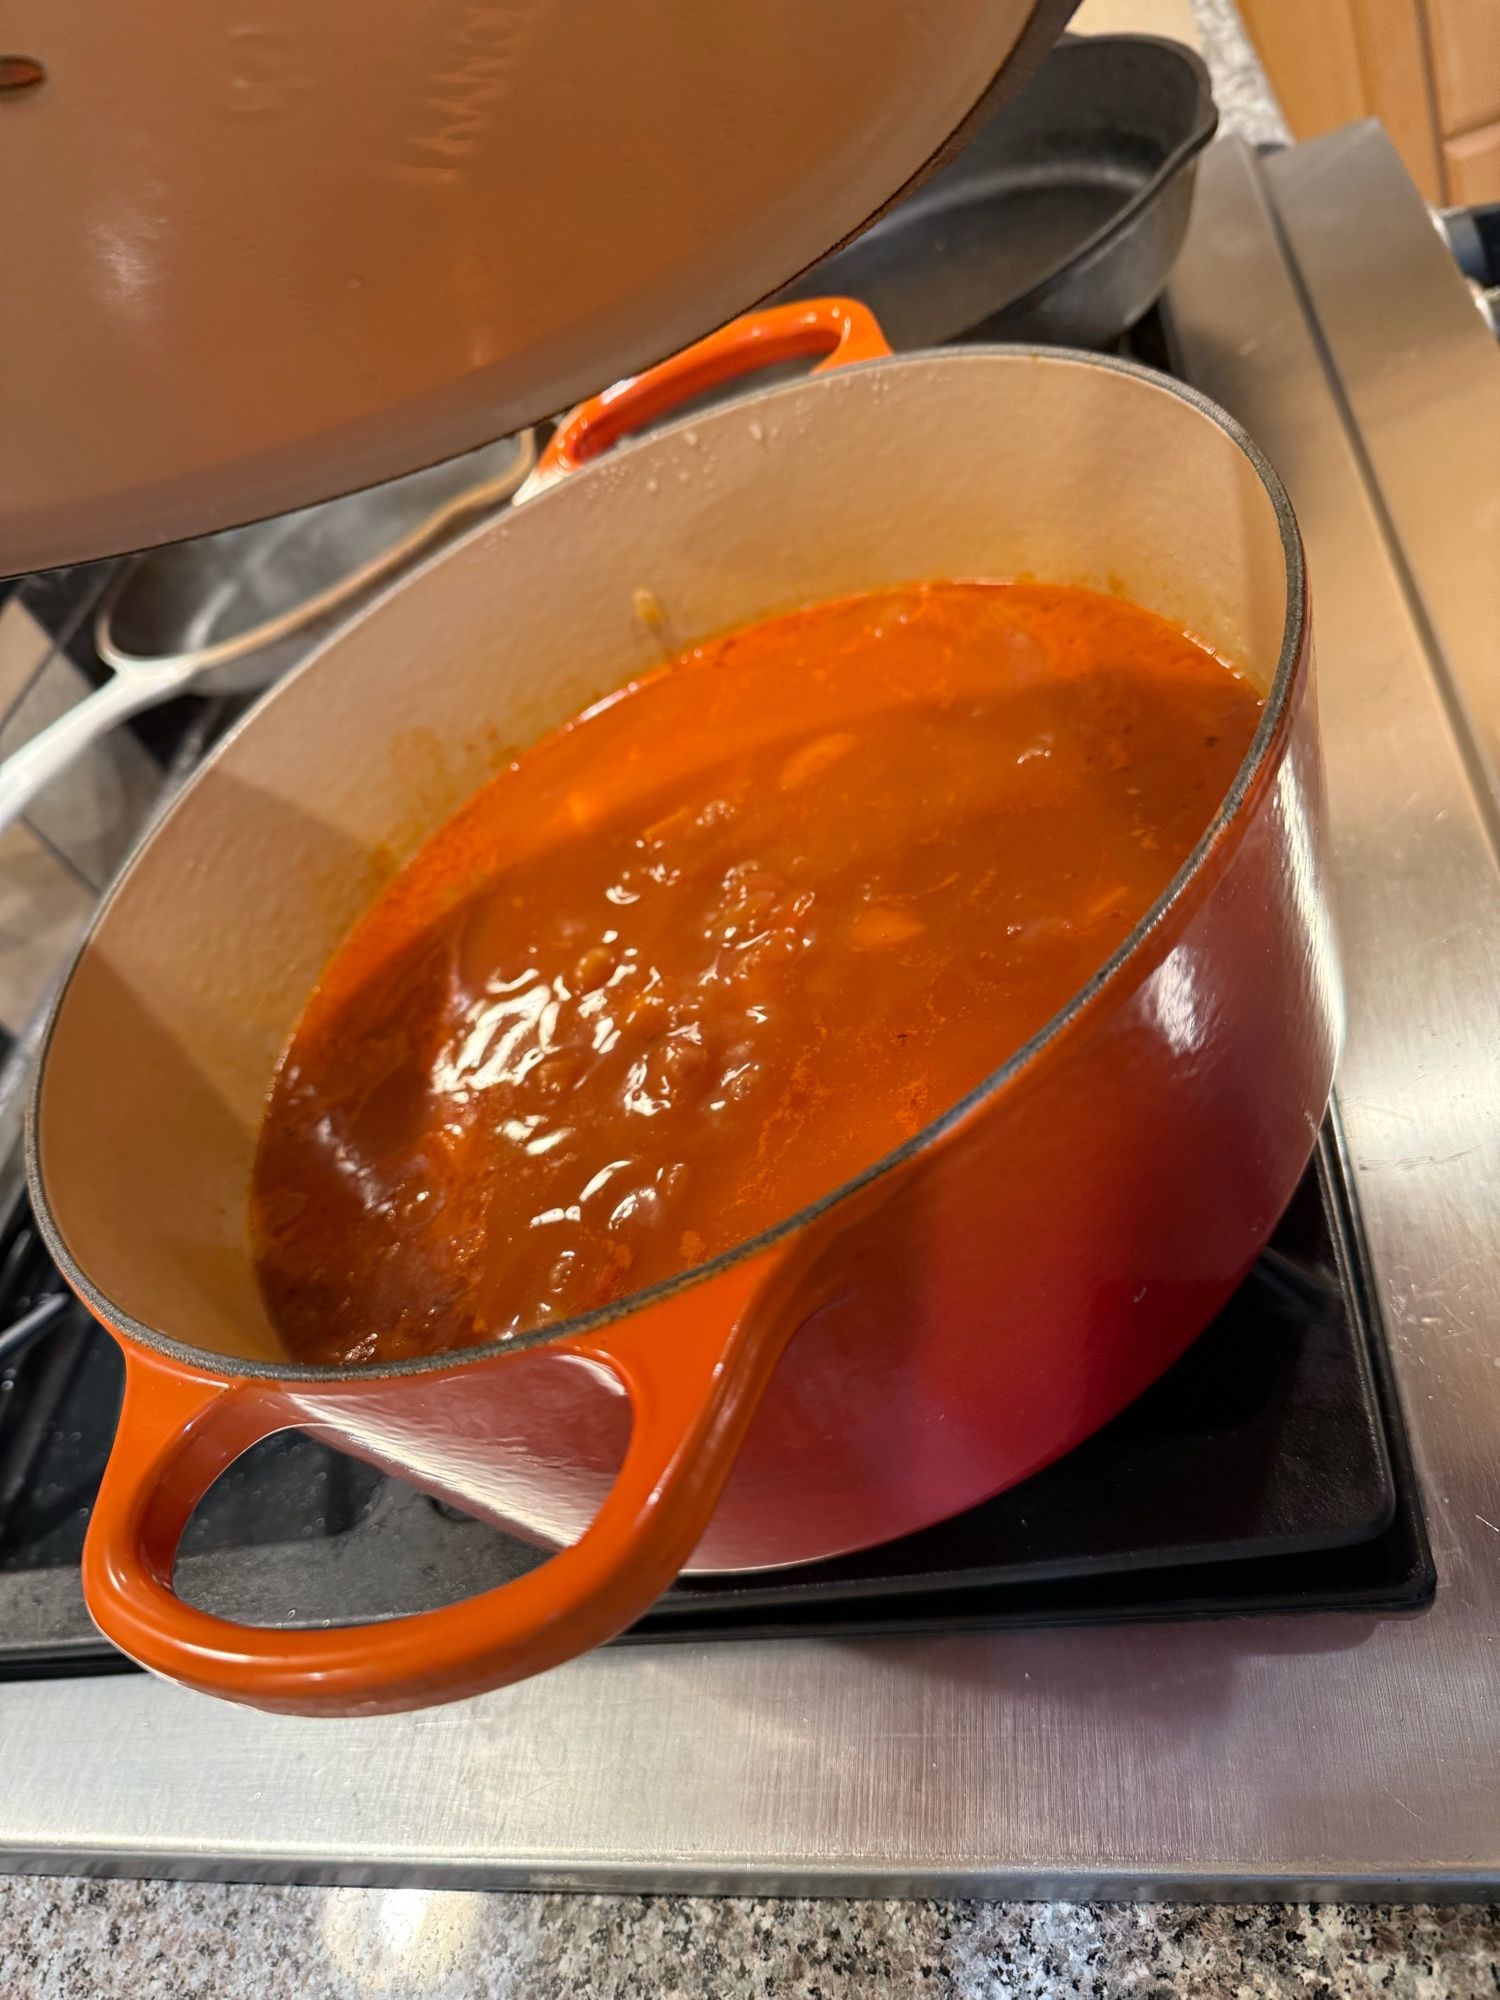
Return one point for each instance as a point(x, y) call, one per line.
point(953, 1320)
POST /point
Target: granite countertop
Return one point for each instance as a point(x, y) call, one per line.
point(160, 1941)
point(1247, 104)
point(86, 1940)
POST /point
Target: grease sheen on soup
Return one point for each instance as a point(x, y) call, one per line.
point(718, 945)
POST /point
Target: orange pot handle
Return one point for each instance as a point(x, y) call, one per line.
point(841, 330)
point(694, 1367)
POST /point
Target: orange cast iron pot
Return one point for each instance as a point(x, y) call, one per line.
point(981, 1300)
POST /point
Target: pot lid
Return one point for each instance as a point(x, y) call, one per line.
point(254, 258)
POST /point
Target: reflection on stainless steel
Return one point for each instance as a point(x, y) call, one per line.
point(1330, 1752)
point(1421, 383)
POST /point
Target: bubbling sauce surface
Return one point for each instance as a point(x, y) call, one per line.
point(718, 945)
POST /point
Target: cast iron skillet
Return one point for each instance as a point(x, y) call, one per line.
point(1059, 220)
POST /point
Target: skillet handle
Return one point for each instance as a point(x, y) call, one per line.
point(28, 770)
point(694, 1366)
point(842, 331)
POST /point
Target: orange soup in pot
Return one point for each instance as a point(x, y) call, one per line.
point(718, 945)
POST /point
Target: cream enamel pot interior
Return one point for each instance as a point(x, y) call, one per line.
point(967, 1311)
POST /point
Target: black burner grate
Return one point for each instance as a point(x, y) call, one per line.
point(1267, 1471)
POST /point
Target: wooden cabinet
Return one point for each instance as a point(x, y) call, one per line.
point(1471, 165)
point(1428, 69)
point(1465, 39)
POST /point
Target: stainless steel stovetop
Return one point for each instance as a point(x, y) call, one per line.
point(1291, 1755)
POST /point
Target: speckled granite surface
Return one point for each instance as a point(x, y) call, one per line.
point(1247, 104)
point(76, 1940)
point(95, 1940)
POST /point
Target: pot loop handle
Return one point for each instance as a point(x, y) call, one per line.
point(694, 1366)
point(842, 331)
